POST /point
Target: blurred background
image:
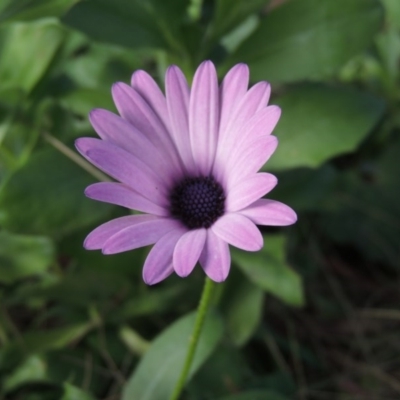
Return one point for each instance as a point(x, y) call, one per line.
point(314, 315)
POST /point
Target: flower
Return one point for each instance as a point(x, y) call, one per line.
point(188, 161)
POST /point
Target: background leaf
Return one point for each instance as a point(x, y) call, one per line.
point(318, 38)
point(159, 369)
point(319, 122)
point(23, 256)
point(269, 270)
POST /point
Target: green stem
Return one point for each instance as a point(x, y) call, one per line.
point(194, 339)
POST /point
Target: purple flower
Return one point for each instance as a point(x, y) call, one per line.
point(189, 162)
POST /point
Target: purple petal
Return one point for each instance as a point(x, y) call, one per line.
point(114, 129)
point(137, 111)
point(233, 88)
point(124, 167)
point(140, 235)
point(158, 264)
point(270, 212)
point(187, 251)
point(117, 193)
point(145, 85)
point(204, 116)
point(252, 102)
point(215, 258)
point(249, 190)
point(250, 158)
point(96, 239)
point(238, 231)
point(177, 93)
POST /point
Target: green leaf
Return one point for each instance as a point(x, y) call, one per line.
point(319, 122)
point(130, 23)
point(241, 307)
point(158, 371)
point(255, 395)
point(309, 38)
point(229, 14)
point(23, 256)
point(33, 369)
point(27, 10)
point(26, 52)
point(48, 192)
point(269, 270)
point(73, 393)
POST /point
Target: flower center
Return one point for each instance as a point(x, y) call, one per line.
point(198, 202)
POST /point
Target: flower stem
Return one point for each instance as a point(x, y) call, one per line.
point(194, 339)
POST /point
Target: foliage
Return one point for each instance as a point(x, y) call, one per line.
point(318, 301)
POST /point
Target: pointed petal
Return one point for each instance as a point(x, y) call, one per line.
point(119, 194)
point(187, 251)
point(270, 212)
point(250, 158)
point(124, 167)
point(204, 116)
point(158, 264)
point(177, 93)
point(233, 88)
point(238, 231)
point(249, 190)
point(215, 258)
point(146, 86)
point(114, 129)
point(96, 239)
point(139, 235)
point(137, 111)
point(254, 100)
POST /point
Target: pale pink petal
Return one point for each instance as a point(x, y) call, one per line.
point(187, 251)
point(121, 195)
point(137, 111)
point(145, 85)
point(215, 258)
point(204, 116)
point(114, 129)
point(254, 100)
point(270, 212)
point(158, 264)
point(177, 93)
point(96, 239)
point(238, 231)
point(249, 190)
point(250, 158)
point(233, 88)
point(261, 124)
point(140, 235)
point(124, 167)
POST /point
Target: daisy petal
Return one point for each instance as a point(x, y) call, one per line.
point(233, 88)
point(250, 158)
point(137, 111)
point(270, 212)
point(204, 116)
point(177, 93)
point(215, 258)
point(187, 251)
point(249, 190)
point(238, 231)
point(123, 167)
point(158, 264)
point(119, 194)
point(114, 129)
point(96, 239)
point(139, 235)
point(145, 85)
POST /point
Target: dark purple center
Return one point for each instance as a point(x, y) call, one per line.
point(198, 202)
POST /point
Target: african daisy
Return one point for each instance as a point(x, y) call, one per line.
point(188, 161)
